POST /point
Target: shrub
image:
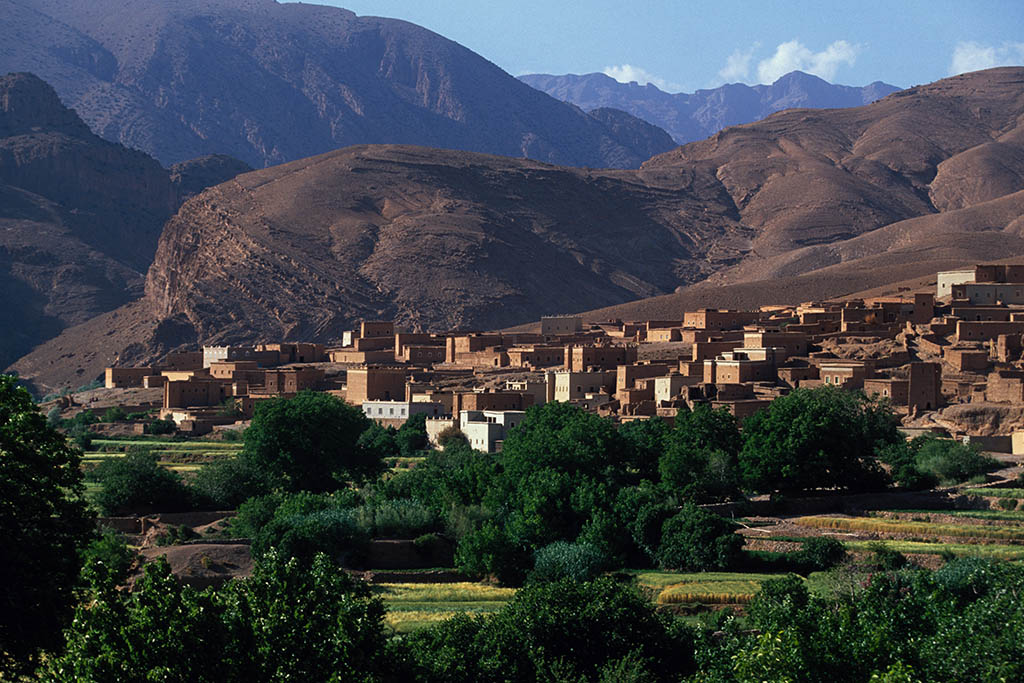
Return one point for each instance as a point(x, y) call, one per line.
point(403, 518)
point(574, 561)
point(451, 436)
point(820, 553)
point(950, 461)
point(227, 483)
point(335, 532)
point(886, 558)
point(115, 414)
point(137, 483)
point(160, 427)
point(106, 562)
point(1008, 503)
point(232, 434)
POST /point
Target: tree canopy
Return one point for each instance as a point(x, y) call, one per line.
point(310, 443)
point(817, 438)
point(44, 524)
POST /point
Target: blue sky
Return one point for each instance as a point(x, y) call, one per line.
point(682, 46)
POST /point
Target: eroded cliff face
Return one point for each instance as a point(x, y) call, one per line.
point(431, 238)
point(79, 216)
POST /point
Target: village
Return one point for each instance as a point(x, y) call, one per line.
point(947, 361)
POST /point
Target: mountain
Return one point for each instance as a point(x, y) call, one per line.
point(804, 204)
point(79, 216)
point(695, 116)
point(269, 83)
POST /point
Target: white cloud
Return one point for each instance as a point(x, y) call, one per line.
point(795, 56)
point(971, 56)
point(626, 73)
point(737, 66)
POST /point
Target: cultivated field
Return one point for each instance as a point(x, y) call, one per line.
point(412, 606)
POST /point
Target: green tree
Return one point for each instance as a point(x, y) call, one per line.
point(310, 443)
point(411, 437)
point(563, 630)
point(227, 483)
point(289, 621)
point(698, 541)
point(646, 441)
point(293, 621)
point(161, 631)
point(137, 483)
point(44, 524)
point(817, 438)
point(700, 458)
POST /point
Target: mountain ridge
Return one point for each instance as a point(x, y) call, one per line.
point(269, 82)
point(688, 117)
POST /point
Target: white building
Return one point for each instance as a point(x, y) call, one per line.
point(487, 429)
point(395, 413)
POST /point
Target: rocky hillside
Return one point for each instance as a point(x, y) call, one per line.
point(79, 216)
point(269, 83)
point(804, 204)
point(695, 116)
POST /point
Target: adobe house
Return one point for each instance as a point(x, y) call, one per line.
point(586, 357)
point(489, 400)
point(966, 359)
point(291, 380)
point(125, 377)
point(486, 429)
point(1005, 386)
point(375, 384)
point(795, 343)
point(719, 319)
point(972, 330)
point(925, 386)
point(557, 325)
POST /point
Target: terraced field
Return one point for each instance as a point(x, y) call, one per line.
point(412, 606)
point(702, 588)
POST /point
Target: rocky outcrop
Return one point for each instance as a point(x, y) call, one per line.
point(189, 178)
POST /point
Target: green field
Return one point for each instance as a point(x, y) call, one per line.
point(995, 493)
point(984, 550)
point(904, 526)
point(412, 606)
point(996, 515)
point(706, 588)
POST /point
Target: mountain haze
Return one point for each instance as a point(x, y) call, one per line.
point(269, 82)
point(695, 116)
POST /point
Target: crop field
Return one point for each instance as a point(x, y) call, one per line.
point(983, 550)
point(915, 528)
point(705, 588)
point(412, 606)
point(995, 493)
point(994, 515)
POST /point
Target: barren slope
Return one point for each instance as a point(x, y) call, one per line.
point(803, 205)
